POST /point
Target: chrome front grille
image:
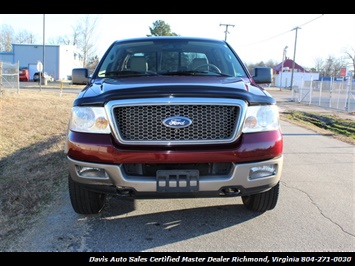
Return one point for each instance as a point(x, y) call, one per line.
point(141, 121)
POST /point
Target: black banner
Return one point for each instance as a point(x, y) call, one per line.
point(177, 257)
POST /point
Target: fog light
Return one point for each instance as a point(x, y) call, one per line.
point(263, 171)
point(91, 172)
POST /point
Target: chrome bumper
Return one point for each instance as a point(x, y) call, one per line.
point(113, 175)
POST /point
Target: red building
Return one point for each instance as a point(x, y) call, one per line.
point(287, 65)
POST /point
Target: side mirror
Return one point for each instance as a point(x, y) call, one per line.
point(80, 76)
point(263, 75)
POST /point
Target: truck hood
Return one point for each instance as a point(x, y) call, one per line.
point(100, 91)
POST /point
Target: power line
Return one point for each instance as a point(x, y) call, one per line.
point(269, 38)
point(311, 20)
point(278, 35)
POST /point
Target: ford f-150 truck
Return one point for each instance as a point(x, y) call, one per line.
point(167, 117)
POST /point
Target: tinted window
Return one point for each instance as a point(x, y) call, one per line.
point(169, 56)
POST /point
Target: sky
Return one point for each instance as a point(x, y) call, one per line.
point(255, 37)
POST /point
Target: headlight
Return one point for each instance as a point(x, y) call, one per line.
point(261, 118)
point(89, 119)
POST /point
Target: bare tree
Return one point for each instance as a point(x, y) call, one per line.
point(60, 40)
point(327, 70)
point(85, 37)
point(6, 38)
point(75, 36)
point(26, 37)
point(351, 55)
point(337, 66)
point(332, 66)
point(319, 66)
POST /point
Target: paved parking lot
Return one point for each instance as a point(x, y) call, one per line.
point(51, 85)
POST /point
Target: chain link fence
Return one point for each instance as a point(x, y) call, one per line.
point(9, 76)
point(336, 94)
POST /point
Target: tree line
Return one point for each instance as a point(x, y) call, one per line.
point(83, 37)
point(329, 67)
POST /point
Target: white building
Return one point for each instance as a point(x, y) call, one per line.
point(283, 74)
point(59, 60)
point(284, 79)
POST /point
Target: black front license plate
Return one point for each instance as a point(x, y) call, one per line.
point(177, 180)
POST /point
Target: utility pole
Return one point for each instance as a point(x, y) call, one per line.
point(294, 58)
point(294, 52)
point(282, 65)
point(44, 45)
point(226, 32)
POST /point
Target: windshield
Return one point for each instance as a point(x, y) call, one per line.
point(170, 57)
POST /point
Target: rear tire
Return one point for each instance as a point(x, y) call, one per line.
point(262, 202)
point(85, 201)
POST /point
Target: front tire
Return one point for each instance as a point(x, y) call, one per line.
point(262, 202)
point(85, 201)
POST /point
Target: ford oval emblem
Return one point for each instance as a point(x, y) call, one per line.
point(177, 122)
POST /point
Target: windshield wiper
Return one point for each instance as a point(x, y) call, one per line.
point(183, 73)
point(193, 73)
point(129, 73)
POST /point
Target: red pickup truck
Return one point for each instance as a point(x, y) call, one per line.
point(165, 117)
